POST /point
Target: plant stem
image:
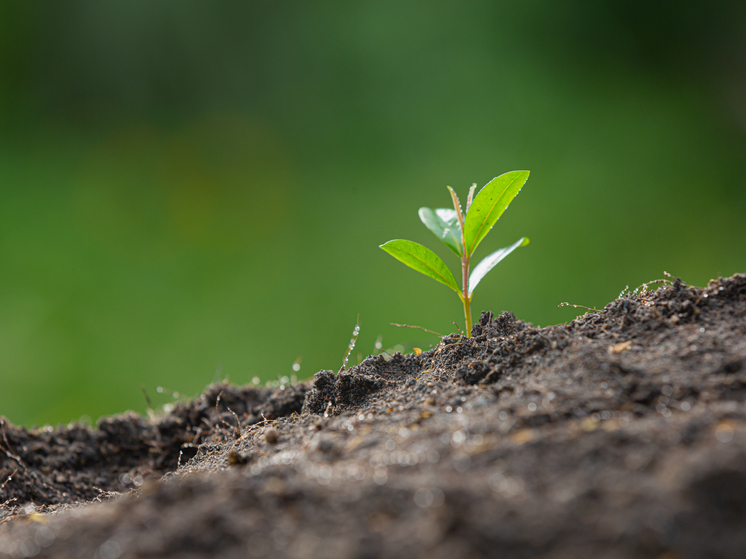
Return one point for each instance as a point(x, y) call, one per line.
point(465, 298)
point(465, 257)
point(467, 316)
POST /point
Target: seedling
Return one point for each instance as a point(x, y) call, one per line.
point(462, 232)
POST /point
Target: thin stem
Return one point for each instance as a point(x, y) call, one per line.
point(414, 326)
point(465, 257)
point(465, 298)
point(467, 316)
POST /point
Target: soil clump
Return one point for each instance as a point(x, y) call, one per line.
point(619, 434)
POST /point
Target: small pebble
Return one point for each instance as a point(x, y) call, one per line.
point(271, 435)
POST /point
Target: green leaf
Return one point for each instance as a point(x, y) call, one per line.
point(444, 224)
point(489, 205)
point(490, 261)
point(423, 260)
point(449, 216)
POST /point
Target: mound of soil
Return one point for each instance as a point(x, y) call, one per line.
point(620, 434)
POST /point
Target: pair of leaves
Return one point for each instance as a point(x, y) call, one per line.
point(482, 214)
point(424, 260)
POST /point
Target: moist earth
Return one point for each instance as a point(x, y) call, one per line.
point(619, 434)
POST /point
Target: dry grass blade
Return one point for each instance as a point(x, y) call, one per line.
point(418, 327)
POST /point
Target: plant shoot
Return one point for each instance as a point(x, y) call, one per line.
point(462, 231)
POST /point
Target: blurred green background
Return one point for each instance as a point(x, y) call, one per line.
point(197, 190)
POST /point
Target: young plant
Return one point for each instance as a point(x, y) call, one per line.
point(462, 232)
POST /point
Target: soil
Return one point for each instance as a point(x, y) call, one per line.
point(620, 434)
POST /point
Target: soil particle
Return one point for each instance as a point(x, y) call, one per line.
point(619, 434)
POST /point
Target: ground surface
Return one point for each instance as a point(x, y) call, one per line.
point(620, 434)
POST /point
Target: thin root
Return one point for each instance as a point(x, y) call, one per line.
point(236, 428)
point(7, 449)
point(419, 327)
point(460, 333)
point(589, 309)
point(10, 477)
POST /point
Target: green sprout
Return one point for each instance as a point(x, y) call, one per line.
point(462, 232)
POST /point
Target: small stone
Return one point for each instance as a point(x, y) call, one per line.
point(271, 435)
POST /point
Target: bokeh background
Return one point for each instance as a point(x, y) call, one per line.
point(191, 191)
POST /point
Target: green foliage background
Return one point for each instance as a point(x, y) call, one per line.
point(193, 190)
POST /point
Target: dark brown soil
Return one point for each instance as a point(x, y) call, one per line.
point(620, 434)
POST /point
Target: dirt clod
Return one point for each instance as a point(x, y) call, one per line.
point(271, 435)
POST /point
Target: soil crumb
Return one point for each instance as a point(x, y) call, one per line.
point(620, 434)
